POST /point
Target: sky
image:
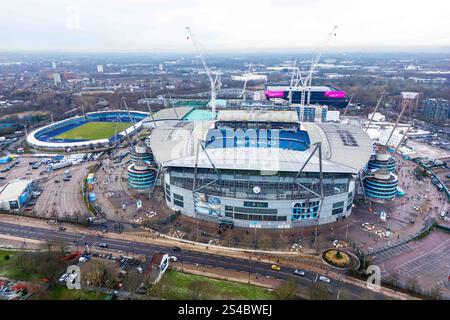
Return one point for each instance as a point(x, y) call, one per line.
point(221, 26)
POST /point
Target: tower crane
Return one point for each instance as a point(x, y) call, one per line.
point(308, 79)
point(242, 95)
point(295, 78)
point(213, 79)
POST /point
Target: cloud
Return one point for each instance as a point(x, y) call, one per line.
point(137, 25)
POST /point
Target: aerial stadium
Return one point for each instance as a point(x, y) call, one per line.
point(260, 168)
point(96, 130)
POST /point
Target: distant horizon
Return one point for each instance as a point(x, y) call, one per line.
point(253, 51)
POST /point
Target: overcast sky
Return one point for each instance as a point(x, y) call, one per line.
point(221, 25)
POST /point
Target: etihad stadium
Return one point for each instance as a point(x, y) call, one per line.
point(260, 168)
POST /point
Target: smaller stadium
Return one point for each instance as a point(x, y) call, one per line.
point(95, 130)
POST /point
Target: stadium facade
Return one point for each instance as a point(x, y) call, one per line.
point(262, 169)
point(47, 137)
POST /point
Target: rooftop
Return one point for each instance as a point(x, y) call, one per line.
point(257, 115)
point(345, 148)
point(13, 189)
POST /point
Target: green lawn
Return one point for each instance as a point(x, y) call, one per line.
point(4, 262)
point(61, 292)
point(95, 130)
point(177, 288)
point(7, 270)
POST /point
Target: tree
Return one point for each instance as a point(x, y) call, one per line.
point(413, 284)
point(93, 273)
point(158, 290)
point(436, 293)
point(393, 279)
point(201, 290)
point(318, 291)
point(287, 290)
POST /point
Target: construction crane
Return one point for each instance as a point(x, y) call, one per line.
point(347, 107)
point(242, 95)
point(213, 79)
point(308, 79)
point(150, 111)
point(295, 78)
point(374, 111)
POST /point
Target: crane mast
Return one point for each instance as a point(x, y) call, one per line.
point(214, 81)
point(296, 79)
point(308, 80)
point(242, 95)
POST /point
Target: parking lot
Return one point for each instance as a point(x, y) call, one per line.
point(63, 199)
point(56, 197)
point(426, 260)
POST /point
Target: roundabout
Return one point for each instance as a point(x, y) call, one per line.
point(340, 259)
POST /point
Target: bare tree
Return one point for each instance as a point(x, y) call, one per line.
point(413, 284)
point(201, 290)
point(318, 291)
point(436, 293)
point(287, 290)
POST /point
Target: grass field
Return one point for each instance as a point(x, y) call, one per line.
point(177, 284)
point(95, 131)
point(4, 263)
point(60, 292)
point(8, 270)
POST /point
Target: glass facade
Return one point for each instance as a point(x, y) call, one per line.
point(241, 184)
point(376, 164)
point(141, 178)
point(381, 189)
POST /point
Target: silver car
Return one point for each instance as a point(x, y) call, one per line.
point(299, 272)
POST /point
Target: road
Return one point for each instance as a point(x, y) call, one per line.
point(191, 257)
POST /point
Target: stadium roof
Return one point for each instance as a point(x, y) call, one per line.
point(257, 115)
point(345, 148)
point(170, 114)
point(264, 159)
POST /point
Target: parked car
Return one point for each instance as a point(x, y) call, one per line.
point(173, 258)
point(103, 245)
point(324, 279)
point(35, 194)
point(62, 228)
point(63, 277)
point(176, 249)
